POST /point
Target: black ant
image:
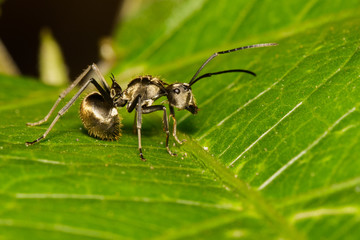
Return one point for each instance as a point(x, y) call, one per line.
point(98, 110)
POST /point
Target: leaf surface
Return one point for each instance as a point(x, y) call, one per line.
point(282, 158)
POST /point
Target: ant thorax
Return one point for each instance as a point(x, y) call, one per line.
point(148, 87)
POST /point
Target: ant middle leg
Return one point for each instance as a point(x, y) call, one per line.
point(138, 126)
point(137, 103)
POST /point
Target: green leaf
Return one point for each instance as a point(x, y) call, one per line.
point(282, 158)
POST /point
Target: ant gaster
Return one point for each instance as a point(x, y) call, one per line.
point(98, 110)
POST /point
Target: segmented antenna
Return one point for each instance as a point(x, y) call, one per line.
point(222, 72)
point(193, 79)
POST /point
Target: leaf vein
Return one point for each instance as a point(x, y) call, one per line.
point(307, 149)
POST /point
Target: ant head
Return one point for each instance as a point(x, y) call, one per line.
point(181, 97)
point(116, 93)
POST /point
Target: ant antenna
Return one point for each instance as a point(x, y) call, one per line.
point(221, 72)
point(194, 79)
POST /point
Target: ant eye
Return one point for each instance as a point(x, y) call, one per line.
point(176, 90)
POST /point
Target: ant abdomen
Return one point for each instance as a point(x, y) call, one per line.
point(100, 118)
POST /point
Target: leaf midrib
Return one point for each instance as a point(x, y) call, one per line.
point(248, 194)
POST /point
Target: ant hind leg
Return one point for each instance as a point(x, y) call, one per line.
point(68, 105)
point(61, 96)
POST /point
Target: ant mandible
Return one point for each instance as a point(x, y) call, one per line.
point(98, 110)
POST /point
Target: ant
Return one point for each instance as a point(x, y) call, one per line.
point(98, 110)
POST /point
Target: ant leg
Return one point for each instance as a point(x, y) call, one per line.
point(62, 95)
point(137, 103)
point(138, 123)
point(172, 115)
point(154, 108)
point(134, 125)
point(94, 68)
point(67, 106)
point(98, 73)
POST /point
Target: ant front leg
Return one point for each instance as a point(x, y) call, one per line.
point(172, 115)
point(155, 108)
